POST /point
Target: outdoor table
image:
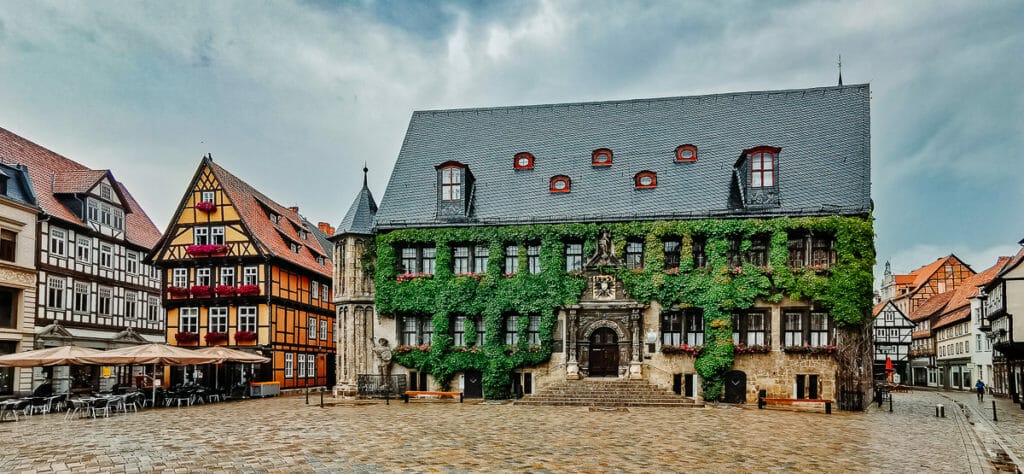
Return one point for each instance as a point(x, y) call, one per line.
point(7, 406)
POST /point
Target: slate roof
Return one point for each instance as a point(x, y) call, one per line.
point(275, 239)
point(19, 185)
point(46, 168)
point(359, 218)
point(823, 168)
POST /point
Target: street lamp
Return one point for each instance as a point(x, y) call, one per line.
point(984, 324)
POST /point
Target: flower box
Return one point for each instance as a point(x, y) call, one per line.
point(694, 350)
point(214, 338)
point(245, 336)
point(206, 249)
point(403, 349)
point(202, 291)
point(414, 276)
point(742, 348)
point(808, 349)
point(225, 290)
point(177, 291)
point(183, 338)
point(248, 290)
point(206, 206)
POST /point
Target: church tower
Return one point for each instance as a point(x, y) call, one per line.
point(353, 289)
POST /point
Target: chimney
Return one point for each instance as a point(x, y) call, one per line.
point(325, 228)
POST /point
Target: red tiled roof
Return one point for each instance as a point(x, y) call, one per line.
point(959, 315)
point(931, 306)
point(904, 279)
point(969, 289)
point(878, 308)
point(274, 238)
point(921, 275)
point(47, 168)
point(924, 333)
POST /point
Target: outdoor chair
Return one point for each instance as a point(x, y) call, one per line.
point(58, 402)
point(39, 405)
point(81, 407)
point(100, 405)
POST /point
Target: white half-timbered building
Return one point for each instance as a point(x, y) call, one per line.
point(893, 331)
point(93, 289)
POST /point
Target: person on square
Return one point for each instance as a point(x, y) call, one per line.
point(981, 390)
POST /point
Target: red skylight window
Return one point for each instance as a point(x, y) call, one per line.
point(602, 157)
point(646, 180)
point(523, 161)
point(686, 153)
point(561, 184)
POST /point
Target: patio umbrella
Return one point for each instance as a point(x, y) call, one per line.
point(152, 354)
point(231, 355)
point(888, 367)
point(62, 355)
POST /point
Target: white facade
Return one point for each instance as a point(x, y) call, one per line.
point(17, 286)
point(892, 331)
point(981, 357)
point(955, 346)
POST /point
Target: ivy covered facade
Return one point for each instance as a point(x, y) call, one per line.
point(712, 245)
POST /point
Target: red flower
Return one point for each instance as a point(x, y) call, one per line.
point(202, 291)
point(177, 291)
point(206, 206)
point(186, 338)
point(245, 336)
point(225, 290)
point(206, 249)
point(248, 290)
point(213, 338)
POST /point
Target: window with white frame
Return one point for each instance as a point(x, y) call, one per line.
point(810, 328)
point(93, 210)
point(201, 235)
point(218, 320)
point(533, 330)
point(83, 250)
point(511, 259)
point(106, 192)
point(203, 277)
point(217, 235)
point(188, 320)
point(302, 365)
point(153, 309)
point(311, 329)
point(105, 301)
point(227, 276)
point(249, 276)
point(117, 218)
point(288, 364)
point(323, 330)
point(81, 302)
point(208, 196)
point(511, 330)
point(130, 305)
point(325, 292)
point(314, 290)
point(247, 318)
point(55, 292)
point(179, 277)
point(533, 258)
point(693, 326)
point(57, 239)
point(132, 262)
point(750, 328)
point(671, 328)
point(310, 366)
point(459, 331)
point(106, 256)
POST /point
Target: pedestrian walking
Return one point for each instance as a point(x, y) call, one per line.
point(981, 390)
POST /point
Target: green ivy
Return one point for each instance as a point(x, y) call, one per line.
point(845, 291)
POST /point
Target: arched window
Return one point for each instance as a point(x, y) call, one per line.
point(451, 180)
point(523, 161)
point(686, 153)
point(602, 157)
point(646, 180)
point(560, 184)
point(762, 166)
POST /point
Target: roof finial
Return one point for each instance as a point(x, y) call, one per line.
point(840, 70)
point(365, 170)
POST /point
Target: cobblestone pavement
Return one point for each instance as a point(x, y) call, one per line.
point(1003, 437)
point(286, 435)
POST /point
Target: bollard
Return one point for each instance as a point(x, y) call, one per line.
point(994, 417)
point(940, 411)
point(762, 394)
point(307, 395)
point(890, 403)
point(321, 399)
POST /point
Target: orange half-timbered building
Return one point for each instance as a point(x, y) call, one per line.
point(245, 272)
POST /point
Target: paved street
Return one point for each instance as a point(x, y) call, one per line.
point(285, 435)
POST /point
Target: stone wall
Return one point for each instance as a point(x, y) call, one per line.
point(776, 373)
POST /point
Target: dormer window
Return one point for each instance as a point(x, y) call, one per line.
point(762, 167)
point(523, 161)
point(686, 154)
point(451, 183)
point(273, 217)
point(294, 246)
point(561, 184)
point(602, 157)
point(646, 180)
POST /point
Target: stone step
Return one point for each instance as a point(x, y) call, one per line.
point(606, 393)
point(677, 404)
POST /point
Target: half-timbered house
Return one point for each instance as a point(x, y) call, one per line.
point(94, 289)
point(679, 242)
point(893, 331)
point(1001, 306)
point(247, 272)
point(18, 212)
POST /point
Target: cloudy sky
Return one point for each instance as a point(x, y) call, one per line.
point(294, 97)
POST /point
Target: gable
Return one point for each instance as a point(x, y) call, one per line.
point(826, 172)
point(107, 191)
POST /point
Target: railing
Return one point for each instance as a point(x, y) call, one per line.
point(376, 386)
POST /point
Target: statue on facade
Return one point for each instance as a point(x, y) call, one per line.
point(604, 255)
point(383, 352)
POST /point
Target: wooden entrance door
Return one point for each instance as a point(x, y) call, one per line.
point(735, 386)
point(604, 353)
point(474, 384)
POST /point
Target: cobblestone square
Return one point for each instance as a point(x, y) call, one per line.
point(286, 435)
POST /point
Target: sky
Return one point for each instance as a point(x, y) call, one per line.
point(294, 97)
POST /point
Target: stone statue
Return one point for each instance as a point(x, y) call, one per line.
point(383, 352)
point(604, 255)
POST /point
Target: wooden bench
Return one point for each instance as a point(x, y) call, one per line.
point(424, 393)
point(761, 402)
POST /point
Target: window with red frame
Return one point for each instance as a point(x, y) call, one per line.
point(646, 180)
point(602, 157)
point(762, 167)
point(451, 183)
point(686, 153)
point(560, 184)
point(523, 161)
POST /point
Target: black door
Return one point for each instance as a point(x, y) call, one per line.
point(604, 353)
point(735, 387)
point(474, 384)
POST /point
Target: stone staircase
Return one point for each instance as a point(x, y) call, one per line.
point(596, 392)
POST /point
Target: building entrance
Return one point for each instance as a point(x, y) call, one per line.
point(604, 353)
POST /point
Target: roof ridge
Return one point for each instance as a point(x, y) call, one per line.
point(58, 155)
point(644, 100)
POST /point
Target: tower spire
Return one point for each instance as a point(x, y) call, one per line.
point(840, 70)
point(365, 170)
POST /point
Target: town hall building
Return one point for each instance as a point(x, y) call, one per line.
point(712, 246)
